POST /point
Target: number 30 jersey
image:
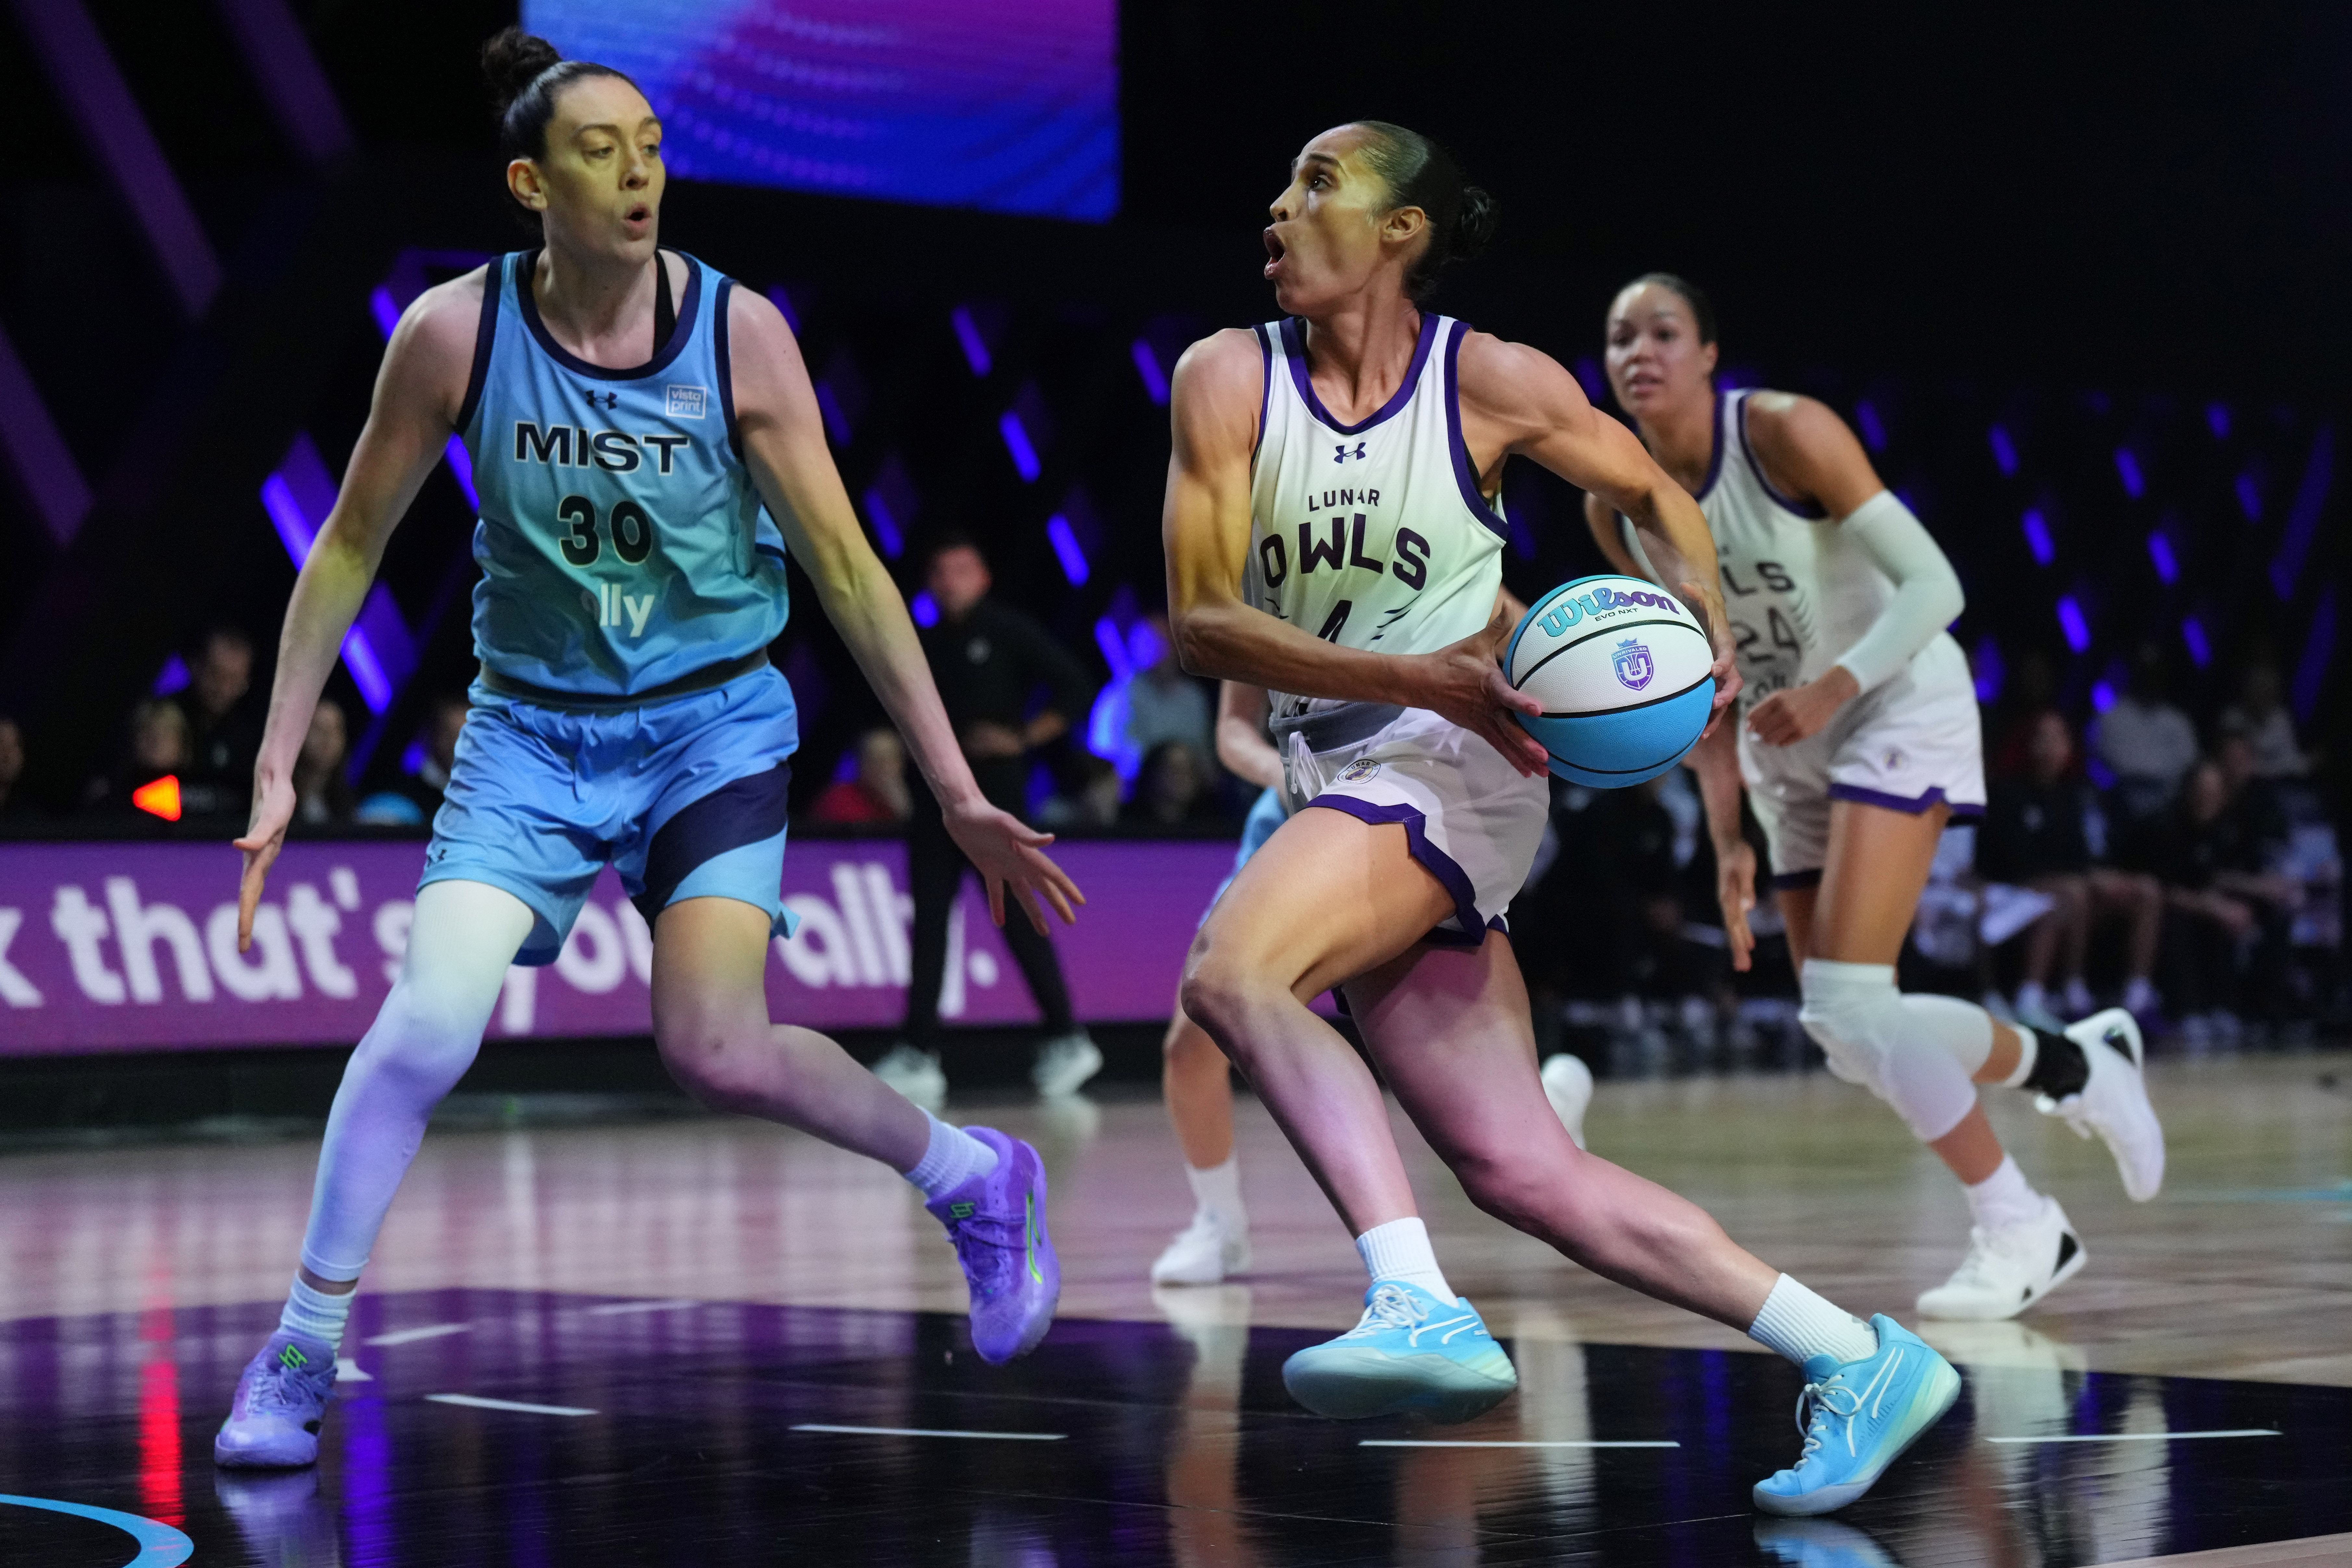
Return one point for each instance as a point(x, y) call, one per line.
point(1371, 535)
point(622, 542)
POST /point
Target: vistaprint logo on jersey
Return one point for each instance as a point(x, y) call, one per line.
point(614, 451)
point(684, 402)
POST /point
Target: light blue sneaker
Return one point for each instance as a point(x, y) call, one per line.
point(1409, 1352)
point(1857, 1418)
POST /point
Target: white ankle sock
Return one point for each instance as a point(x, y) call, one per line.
point(1401, 1250)
point(2003, 1198)
point(1218, 1191)
point(316, 1314)
point(1801, 1325)
point(2028, 1051)
point(953, 1158)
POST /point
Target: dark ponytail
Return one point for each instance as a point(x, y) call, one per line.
point(1419, 173)
point(526, 76)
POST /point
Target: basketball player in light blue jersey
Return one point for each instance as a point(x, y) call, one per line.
point(647, 447)
point(1333, 529)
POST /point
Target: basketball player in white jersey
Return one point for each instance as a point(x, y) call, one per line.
point(1332, 531)
point(1858, 740)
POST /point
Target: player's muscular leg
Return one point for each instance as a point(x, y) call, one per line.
point(1327, 898)
point(1450, 1029)
point(710, 1021)
point(1197, 1080)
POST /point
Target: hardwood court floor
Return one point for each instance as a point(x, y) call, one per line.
point(753, 1266)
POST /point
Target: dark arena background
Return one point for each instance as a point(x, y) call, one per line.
point(2075, 276)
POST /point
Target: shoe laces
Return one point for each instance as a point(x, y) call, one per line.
point(281, 1387)
point(990, 1247)
point(1390, 1307)
point(1819, 1404)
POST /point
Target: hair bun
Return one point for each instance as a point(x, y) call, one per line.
point(1476, 223)
point(512, 61)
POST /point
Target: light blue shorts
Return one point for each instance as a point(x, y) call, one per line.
point(684, 798)
point(1263, 818)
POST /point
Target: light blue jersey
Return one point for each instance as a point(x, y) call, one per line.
point(623, 545)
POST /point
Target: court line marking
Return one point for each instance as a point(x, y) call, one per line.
point(616, 1308)
point(410, 1336)
point(476, 1402)
point(349, 1370)
point(160, 1545)
point(931, 1432)
point(2141, 1437)
point(1433, 1443)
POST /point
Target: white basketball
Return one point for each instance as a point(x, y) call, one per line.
point(1621, 669)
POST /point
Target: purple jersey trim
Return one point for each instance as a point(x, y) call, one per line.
point(1805, 510)
point(1715, 452)
point(1294, 349)
point(485, 332)
point(1436, 861)
point(1464, 474)
point(680, 335)
point(1911, 806)
point(722, 357)
point(1265, 387)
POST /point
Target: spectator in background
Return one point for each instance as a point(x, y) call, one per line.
point(1162, 703)
point(876, 790)
point(2146, 742)
point(156, 743)
point(2035, 835)
point(1093, 804)
point(323, 797)
point(411, 802)
point(1171, 790)
point(223, 716)
point(12, 767)
point(2260, 717)
point(2227, 902)
point(987, 658)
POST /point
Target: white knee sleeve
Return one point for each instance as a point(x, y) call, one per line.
point(1907, 1050)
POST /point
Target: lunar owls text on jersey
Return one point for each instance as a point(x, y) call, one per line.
point(1371, 535)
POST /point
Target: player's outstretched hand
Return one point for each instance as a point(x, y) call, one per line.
point(1735, 889)
point(1464, 683)
point(1792, 715)
point(1011, 855)
point(1719, 637)
point(265, 835)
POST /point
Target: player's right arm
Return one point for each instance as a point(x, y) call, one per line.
point(1205, 528)
point(1715, 762)
point(1241, 744)
point(419, 391)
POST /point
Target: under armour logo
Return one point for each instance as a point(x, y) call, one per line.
point(1339, 454)
point(610, 399)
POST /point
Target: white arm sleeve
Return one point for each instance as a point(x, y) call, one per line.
point(1927, 591)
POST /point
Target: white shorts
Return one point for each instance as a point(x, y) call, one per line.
point(1470, 818)
point(1911, 744)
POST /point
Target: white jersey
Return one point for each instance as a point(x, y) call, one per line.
point(1371, 535)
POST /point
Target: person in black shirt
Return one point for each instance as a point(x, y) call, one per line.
point(224, 722)
point(986, 657)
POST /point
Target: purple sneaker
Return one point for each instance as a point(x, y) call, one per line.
point(998, 1224)
point(280, 1402)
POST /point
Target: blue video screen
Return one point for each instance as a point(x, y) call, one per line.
point(1006, 105)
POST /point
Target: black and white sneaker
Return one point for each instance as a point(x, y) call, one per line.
point(2009, 1269)
point(2113, 1101)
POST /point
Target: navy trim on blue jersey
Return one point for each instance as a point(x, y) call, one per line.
point(485, 332)
point(748, 810)
point(1715, 452)
point(1464, 474)
point(720, 353)
point(1294, 345)
point(1806, 510)
point(681, 335)
point(1266, 387)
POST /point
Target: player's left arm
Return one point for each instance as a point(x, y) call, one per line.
point(1806, 450)
point(1516, 399)
point(783, 445)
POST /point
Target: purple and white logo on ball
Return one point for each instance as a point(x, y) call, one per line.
point(1633, 665)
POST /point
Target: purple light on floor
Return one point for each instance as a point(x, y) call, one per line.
point(2037, 537)
point(925, 609)
point(2103, 696)
point(2127, 470)
point(2318, 648)
point(2159, 553)
point(2250, 497)
point(172, 676)
point(1066, 551)
point(1873, 433)
point(1147, 366)
point(387, 310)
point(1114, 650)
point(1016, 442)
point(2193, 635)
point(975, 347)
point(2071, 622)
point(2004, 451)
point(886, 527)
point(2217, 420)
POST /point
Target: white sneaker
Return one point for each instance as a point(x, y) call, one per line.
point(1203, 1252)
point(2009, 1269)
point(915, 1074)
point(1568, 1084)
point(2113, 1102)
point(1065, 1063)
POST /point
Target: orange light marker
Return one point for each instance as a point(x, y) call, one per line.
point(160, 798)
